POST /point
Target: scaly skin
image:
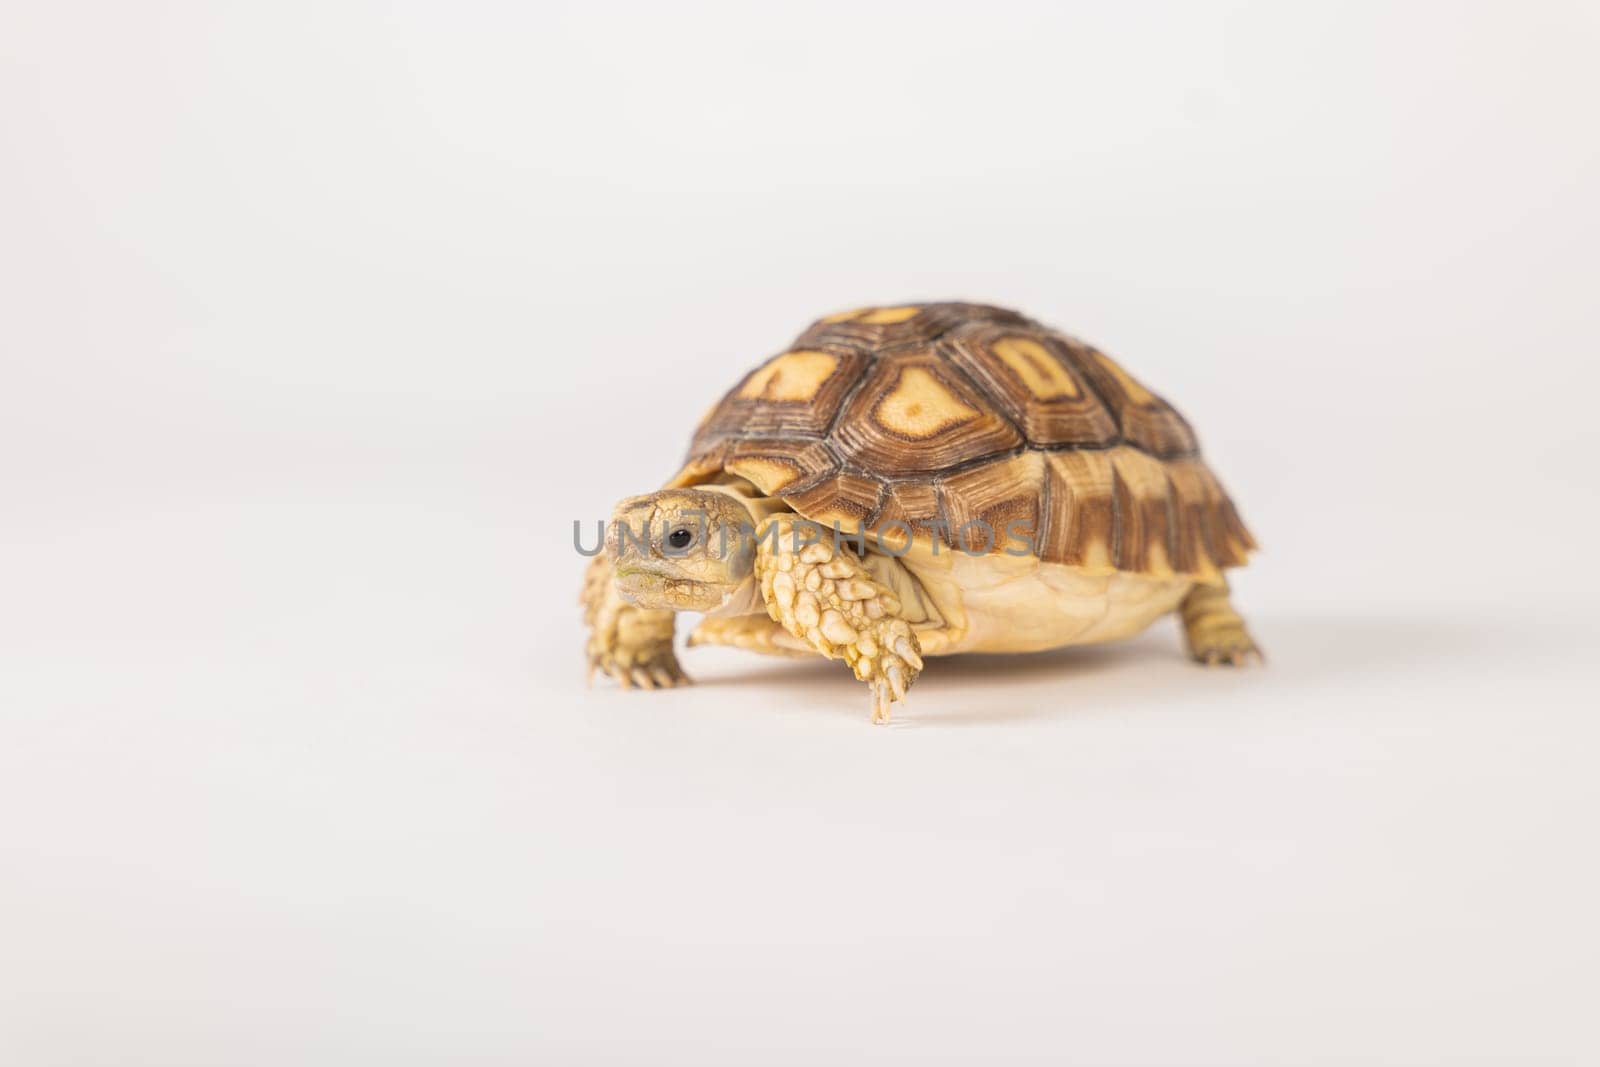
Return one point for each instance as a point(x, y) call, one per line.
point(1214, 632)
point(753, 633)
point(828, 600)
point(632, 645)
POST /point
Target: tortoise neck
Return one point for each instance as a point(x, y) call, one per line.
point(742, 599)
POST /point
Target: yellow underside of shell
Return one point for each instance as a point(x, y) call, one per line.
point(1018, 604)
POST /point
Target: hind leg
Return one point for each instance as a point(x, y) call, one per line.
point(753, 633)
point(1214, 632)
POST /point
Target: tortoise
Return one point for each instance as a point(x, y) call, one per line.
point(922, 480)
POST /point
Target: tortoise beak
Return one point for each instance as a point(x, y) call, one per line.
point(645, 586)
point(635, 585)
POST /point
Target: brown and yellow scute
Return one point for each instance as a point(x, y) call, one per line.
point(796, 393)
point(935, 416)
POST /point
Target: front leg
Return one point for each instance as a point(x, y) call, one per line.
point(826, 598)
point(631, 644)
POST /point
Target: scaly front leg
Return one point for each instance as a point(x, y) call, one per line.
point(825, 597)
point(632, 645)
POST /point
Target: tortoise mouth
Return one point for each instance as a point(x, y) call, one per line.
point(652, 589)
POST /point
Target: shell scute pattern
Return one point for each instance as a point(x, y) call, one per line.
point(916, 414)
point(780, 464)
point(1033, 383)
point(796, 393)
point(937, 415)
point(1147, 422)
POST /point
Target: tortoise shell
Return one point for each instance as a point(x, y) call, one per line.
point(931, 416)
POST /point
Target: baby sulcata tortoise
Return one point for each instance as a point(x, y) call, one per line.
point(919, 481)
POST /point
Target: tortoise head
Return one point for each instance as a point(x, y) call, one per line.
point(681, 549)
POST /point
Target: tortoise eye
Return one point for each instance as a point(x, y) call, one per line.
point(680, 537)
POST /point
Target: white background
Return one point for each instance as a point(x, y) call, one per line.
point(320, 323)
